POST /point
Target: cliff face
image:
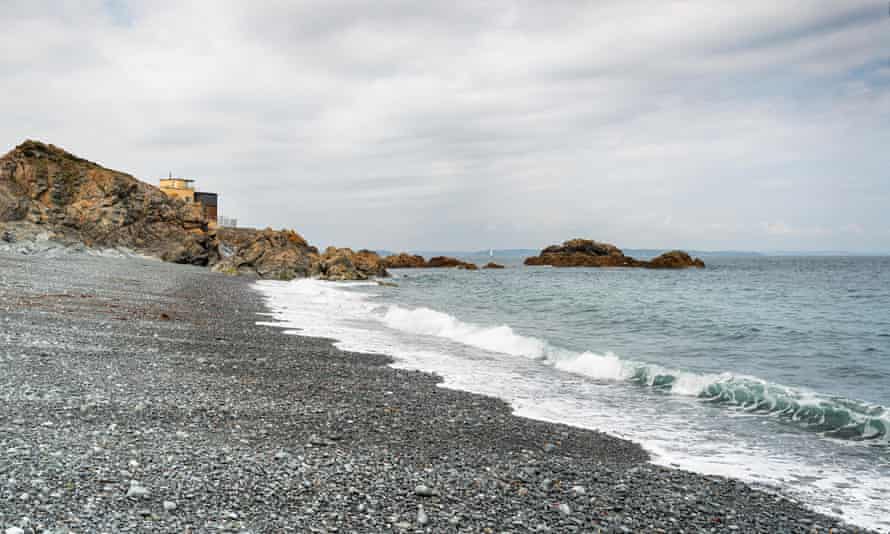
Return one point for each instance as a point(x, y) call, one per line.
point(588, 253)
point(44, 188)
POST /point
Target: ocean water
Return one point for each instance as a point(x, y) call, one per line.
point(774, 370)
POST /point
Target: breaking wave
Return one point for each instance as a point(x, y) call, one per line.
point(835, 417)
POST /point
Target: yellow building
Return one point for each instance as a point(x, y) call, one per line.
point(182, 189)
point(179, 188)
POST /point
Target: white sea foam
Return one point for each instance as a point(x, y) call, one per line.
point(430, 340)
point(429, 322)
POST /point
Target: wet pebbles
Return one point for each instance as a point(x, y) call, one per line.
point(138, 396)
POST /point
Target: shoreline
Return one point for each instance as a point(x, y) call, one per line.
point(118, 372)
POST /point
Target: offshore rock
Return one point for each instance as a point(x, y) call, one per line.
point(492, 265)
point(589, 253)
point(279, 255)
point(404, 260)
point(449, 262)
point(46, 191)
point(675, 259)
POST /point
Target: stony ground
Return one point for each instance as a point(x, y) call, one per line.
point(137, 396)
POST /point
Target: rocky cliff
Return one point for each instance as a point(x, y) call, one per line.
point(46, 191)
point(588, 253)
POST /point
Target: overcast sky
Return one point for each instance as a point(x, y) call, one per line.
point(469, 125)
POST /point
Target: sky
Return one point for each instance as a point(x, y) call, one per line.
point(400, 125)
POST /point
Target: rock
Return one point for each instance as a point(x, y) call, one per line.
point(564, 509)
point(589, 253)
point(270, 254)
point(675, 259)
point(404, 260)
point(579, 490)
point(422, 518)
point(448, 261)
point(137, 491)
point(492, 265)
point(344, 264)
point(423, 490)
point(169, 506)
point(44, 190)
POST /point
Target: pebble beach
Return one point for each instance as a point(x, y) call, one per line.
point(141, 396)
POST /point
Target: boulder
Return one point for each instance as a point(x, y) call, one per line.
point(344, 264)
point(45, 190)
point(675, 259)
point(449, 262)
point(492, 265)
point(404, 260)
point(275, 254)
point(589, 253)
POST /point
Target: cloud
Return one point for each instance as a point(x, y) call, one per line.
point(400, 124)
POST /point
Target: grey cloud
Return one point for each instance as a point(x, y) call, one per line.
point(403, 124)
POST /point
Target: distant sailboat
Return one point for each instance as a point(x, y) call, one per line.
point(490, 252)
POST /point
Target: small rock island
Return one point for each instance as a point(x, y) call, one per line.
point(589, 253)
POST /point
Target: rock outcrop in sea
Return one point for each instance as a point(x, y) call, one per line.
point(403, 260)
point(589, 253)
point(49, 194)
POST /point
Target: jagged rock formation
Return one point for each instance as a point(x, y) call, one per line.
point(47, 192)
point(344, 264)
point(404, 260)
point(492, 265)
point(281, 255)
point(285, 255)
point(588, 253)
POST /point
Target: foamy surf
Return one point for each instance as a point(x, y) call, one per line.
point(627, 398)
point(836, 417)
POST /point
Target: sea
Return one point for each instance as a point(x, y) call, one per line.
point(770, 369)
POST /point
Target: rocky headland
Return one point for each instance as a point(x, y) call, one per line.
point(51, 197)
point(589, 253)
point(48, 194)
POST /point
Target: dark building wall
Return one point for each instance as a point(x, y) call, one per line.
point(208, 203)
